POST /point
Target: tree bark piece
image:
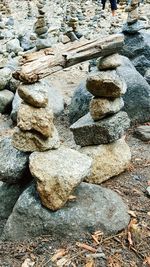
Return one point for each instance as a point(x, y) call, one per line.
point(40, 64)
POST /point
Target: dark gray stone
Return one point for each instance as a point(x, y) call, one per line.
point(88, 132)
point(13, 163)
point(137, 97)
point(137, 48)
point(95, 208)
point(15, 106)
point(6, 98)
point(132, 28)
point(8, 197)
point(80, 102)
point(143, 132)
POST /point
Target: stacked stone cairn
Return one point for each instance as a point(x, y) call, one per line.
point(56, 176)
point(4, 7)
point(132, 26)
point(29, 13)
point(100, 133)
point(41, 27)
point(35, 129)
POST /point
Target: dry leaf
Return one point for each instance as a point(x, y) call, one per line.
point(85, 246)
point(134, 232)
point(132, 213)
point(71, 197)
point(60, 253)
point(90, 263)
point(64, 260)
point(147, 260)
point(28, 263)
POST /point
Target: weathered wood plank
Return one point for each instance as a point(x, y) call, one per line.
point(40, 64)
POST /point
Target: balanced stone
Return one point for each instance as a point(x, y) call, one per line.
point(106, 84)
point(109, 62)
point(88, 132)
point(41, 30)
point(108, 160)
point(38, 119)
point(58, 173)
point(32, 141)
point(101, 107)
point(34, 94)
point(133, 16)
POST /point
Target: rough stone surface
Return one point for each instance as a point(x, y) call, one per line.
point(6, 98)
point(101, 107)
point(143, 132)
point(15, 107)
point(13, 46)
point(108, 160)
point(55, 100)
point(38, 119)
point(79, 103)
point(31, 141)
point(13, 163)
point(88, 132)
point(147, 75)
point(106, 84)
point(95, 208)
point(109, 62)
point(137, 49)
point(9, 193)
point(34, 94)
point(58, 173)
point(137, 97)
point(5, 76)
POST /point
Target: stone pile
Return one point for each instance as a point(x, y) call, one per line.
point(105, 123)
point(35, 129)
point(132, 26)
point(6, 96)
point(41, 27)
point(29, 13)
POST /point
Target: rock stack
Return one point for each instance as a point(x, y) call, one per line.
point(35, 130)
point(41, 28)
point(105, 123)
point(29, 13)
point(4, 7)
point(132, 26)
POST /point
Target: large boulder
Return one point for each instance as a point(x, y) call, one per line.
point(13, 163)
point(58, 173)
point(137, 49)
point(94, 208)
point(136, 99)
point(108, 160)
point(88, 132)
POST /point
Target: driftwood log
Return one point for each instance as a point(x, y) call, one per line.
point(37, 65)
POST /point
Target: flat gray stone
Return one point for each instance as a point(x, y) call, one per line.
point(13, 163)
point(143, 132)
point(95, 208)
point(87, 132)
